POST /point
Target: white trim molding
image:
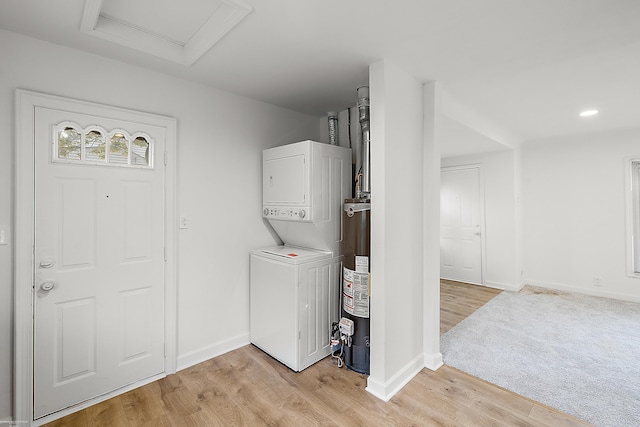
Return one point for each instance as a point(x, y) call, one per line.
point(389, 389)
point(580, 290)
point(209, 352)
point(26, 103)
point(433, 361)
point(632, 211)
point(504, 286)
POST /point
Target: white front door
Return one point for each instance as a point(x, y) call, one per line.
point(460, 237)
point(99, 256)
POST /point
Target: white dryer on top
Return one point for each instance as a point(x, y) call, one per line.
point(303, 187)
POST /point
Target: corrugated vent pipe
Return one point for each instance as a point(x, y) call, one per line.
point(332, 118)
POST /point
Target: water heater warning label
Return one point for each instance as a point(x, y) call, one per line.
point(362, 264)
point(355, 293)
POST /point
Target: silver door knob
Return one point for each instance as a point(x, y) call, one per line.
point(47, 285)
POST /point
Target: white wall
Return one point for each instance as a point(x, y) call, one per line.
point(220, 142)
point(396, 228)
point(6, 218)
point(574, 213)
point(500, 234)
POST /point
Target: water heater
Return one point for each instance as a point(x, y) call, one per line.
point(356, 249)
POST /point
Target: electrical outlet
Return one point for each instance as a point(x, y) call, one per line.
point(597, 281)
point(184, 222)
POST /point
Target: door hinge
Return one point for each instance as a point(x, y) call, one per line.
point(165, 350)
point(165, 158)
point(165, 254)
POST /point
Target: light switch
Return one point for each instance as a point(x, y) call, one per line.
point(4, 235)
point(184, 222)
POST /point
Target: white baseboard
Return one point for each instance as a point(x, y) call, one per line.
point(433, 361)
point(596, 292)
point(387, 390)
point(492, 284)
point(460, 280)
point(504, 286)
point(211, 351)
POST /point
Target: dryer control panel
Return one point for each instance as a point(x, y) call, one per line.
point(287, 213)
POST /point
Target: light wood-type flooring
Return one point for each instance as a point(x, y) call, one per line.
point(247, 387)
point(459, 300)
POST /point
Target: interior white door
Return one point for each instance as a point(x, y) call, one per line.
point(460, 231)
point(99, 257)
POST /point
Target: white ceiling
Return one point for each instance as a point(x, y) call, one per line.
point(529, 66)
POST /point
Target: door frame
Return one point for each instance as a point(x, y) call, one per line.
point(483, 241)
point(25, 105)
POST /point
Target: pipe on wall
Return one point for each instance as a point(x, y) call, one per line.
point(365, 137)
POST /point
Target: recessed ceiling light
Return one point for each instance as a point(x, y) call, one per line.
point(588, 113)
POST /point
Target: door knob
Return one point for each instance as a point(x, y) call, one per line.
point(47, 285)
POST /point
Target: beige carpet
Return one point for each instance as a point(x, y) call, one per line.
point(573, 352)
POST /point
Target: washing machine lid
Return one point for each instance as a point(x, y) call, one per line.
point(292, 254)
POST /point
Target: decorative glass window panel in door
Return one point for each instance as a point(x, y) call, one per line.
point(140, 151)
point(119, 149)
point(69, 144)
point(95, 146)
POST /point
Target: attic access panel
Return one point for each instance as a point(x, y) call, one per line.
point(178, 31)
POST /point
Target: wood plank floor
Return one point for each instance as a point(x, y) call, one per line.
point(459, 300)
point(246, 387)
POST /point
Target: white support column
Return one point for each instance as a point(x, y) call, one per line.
point(431, 238)
point(397, 233)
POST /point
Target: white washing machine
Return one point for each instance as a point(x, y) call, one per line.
point(294, 297)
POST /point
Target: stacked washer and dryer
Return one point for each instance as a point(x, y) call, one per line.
point(295, 288)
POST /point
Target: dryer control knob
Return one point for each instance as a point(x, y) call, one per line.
point(302, 213)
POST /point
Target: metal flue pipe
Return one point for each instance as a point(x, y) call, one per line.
point(365, 137)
